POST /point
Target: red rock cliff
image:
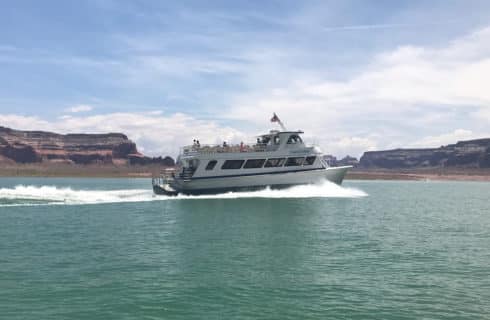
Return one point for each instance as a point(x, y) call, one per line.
point(39, 146)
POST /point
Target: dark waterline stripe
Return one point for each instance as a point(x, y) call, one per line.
point(256, 174)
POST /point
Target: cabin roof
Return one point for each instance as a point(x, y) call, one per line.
point(274, 132)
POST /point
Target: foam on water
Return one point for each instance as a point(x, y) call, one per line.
point(51, 195)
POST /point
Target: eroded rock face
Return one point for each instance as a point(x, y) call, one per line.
point(20, 153)
point(40, 146)
point(124, 149)
point(471, 154)
point(142, 160)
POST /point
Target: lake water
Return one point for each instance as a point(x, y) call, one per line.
point(109, 249)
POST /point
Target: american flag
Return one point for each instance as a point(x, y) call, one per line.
point(275, 118)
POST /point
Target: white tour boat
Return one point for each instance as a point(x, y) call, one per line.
point(279, 159)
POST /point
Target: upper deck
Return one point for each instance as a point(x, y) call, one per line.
point(270, 142)
point(237, 148)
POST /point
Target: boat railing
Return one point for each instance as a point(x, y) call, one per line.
point(236, 148)
point(187, 173)
point(165, 176)
point(324, 162)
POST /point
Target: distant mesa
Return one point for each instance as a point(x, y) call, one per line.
point(346, 161)
point(471, 154)
point(24, 147)
point(464, 154)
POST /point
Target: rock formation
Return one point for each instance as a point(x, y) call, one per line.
point(345, 161)
point(47, 147)
point(465, 154)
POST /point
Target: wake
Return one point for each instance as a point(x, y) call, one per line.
point(51, 195)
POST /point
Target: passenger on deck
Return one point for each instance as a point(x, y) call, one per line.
point(242, 147)
point(198, 144)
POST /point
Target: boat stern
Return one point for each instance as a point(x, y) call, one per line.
point(164, 189)
point(163, 184)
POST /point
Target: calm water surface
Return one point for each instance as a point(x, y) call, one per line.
point(107, 249)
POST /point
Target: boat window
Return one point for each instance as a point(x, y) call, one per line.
point(277, 140)
point(232, 164)
point(211, 165)
point(274, 162)
point(254, 163)
point(193, 164)
point(294, 138)
point(309, 161)
point(296, 161)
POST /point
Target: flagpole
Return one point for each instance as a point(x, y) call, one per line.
point(275, 118)
point(282, 126)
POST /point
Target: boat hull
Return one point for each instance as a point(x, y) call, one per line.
point(275, 180)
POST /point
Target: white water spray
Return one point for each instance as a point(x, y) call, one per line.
point(52, 195)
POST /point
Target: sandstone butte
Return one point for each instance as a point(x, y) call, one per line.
point(40, 147)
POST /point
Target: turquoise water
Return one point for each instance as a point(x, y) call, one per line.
point(108, 249)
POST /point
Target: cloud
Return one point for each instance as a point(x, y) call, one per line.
point(353, 146)
point(402, 95)
point(79, 108)
point(361, 27)
point(448, 138)
point(154, 133)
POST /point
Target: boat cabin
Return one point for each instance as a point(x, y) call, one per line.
point(271, 152)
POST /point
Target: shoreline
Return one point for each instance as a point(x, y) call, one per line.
point(420, 175)
point(80, 171)
point(138, 171)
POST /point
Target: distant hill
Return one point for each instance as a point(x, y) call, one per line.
point(31, 147)
point(345, 161)
point(464, 154)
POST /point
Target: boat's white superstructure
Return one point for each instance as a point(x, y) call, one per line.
point(278, 159)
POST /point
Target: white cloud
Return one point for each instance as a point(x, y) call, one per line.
point(156, 134)
point(385, 26)
point(401, 96)
point(447, 138)
point(353, 146)
point(404, 97)
point(79, 108)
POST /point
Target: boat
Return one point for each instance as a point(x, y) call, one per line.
point(278, 159)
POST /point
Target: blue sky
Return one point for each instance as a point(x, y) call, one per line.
point(355, 75)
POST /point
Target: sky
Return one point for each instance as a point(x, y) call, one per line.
point(355, 75)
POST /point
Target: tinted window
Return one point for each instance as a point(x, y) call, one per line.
point(254, 163)
point(211, 165)
point(309, 161)
point(297, 161)
point(293, 139)
point(274, 162)
point(232, 164)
